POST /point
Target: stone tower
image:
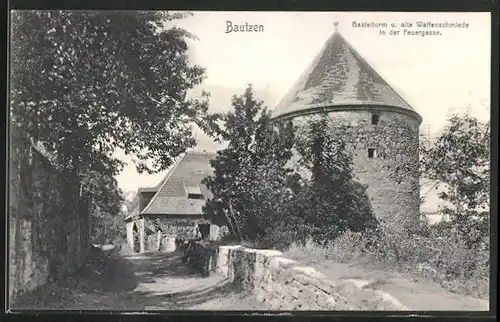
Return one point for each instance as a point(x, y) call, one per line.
point(382, 128)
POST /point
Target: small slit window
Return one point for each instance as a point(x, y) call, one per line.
point(372, 153)
point(375, 119)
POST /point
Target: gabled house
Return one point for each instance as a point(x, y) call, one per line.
point(172, 208)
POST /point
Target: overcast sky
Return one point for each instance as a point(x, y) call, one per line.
point(435, 74)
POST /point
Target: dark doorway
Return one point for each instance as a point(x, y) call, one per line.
point(204, 230)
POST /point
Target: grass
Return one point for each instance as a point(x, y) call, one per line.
point(443, 259)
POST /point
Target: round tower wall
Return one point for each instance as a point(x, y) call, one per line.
point(389, 169)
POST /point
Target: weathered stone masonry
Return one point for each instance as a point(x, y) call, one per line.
point(391, 175)
point(378, 125)
point(48, 221)
point(283, 284)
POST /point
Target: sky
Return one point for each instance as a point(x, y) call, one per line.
point(436, 75)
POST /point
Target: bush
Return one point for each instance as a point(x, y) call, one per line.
point(283, 234)
point(330, 200)
point(349, 246)
point(308, 251)
point(440, 255)
point(224, 234)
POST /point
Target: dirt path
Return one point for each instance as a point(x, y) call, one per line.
point(164, 284)
point(418, 295)
point(160, 281)
point(137, 283)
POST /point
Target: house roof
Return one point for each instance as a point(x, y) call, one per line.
point(339, 76)
point(147, 189)
point(171, 198)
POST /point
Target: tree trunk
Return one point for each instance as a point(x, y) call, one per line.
point(238, 232)
point(230, 224)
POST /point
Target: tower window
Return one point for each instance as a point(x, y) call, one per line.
point(372, 153)
point(375, 119)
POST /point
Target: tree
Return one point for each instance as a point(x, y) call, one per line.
point(249, 181)
point(131, 201)
point(330, 201)
point(460, 159)
point(87, 83)
point(106, 210)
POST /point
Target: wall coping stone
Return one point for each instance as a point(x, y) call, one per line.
point(275, 262)
point(309, 271)
point(283, 261)
point(269, 252)
point(286, 285)
point(232, 247)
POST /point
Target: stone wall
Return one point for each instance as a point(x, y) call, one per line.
point(283, 284)
point(137, 224)
point(48, 221)
point(391, 177)
point(129, 226)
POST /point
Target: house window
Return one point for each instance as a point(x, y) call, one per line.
point(195, 196)
point(375, 119)
point(372, 153)
point(193, 191)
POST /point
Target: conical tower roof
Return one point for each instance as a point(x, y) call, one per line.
point(339, 77)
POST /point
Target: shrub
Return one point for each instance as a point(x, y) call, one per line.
point(440, 255)
point(308, 251)
point(330, 201)
point(348, 247)
point(283, 234)
point(224, 234)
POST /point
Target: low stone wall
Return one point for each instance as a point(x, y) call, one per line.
point(283, 284)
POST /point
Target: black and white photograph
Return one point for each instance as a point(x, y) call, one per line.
point(248, 161)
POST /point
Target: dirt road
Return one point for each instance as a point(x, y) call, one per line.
point(137, 283)
point(159, 281)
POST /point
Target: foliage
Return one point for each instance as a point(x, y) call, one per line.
point(130, 203)
point(262, 199)
point(330, 201)
point(87, 83)
point(455, 253)
point(106, 207)
point(443, 258)
point(249, 181)
point(461, 160)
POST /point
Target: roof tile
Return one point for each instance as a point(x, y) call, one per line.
point(171, 197)
point(338, 76)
